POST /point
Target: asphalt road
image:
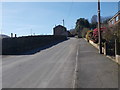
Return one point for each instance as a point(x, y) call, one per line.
point(50, 68)
point(96, 70)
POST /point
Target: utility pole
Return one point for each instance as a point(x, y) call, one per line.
point(11, 35)
point(63, 22)
point(99, 27)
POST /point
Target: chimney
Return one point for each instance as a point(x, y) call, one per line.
point(11, 35)
point(15, 35)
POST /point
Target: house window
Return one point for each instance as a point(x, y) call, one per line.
point(117, 18)
point(112, 21)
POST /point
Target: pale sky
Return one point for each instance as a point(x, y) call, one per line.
point(40, 17)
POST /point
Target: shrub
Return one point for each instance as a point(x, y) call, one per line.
point(84, 32)
point(89, 35)
point(95, 34)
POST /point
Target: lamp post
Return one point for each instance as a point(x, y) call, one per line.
point(99, 31)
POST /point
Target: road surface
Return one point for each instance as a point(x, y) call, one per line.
point(96, 70)
point(50, 68)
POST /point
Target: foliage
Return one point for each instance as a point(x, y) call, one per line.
point(108, 35)
point(94, 19)
point(89, 35)
point(80, 25)
point(70, 34)
point(84, 32)
point(95, 34)
point(83, 25)
point(73, 32)
point(105, 20)
point(112, 33)
point(93, 25)
point(116, 30)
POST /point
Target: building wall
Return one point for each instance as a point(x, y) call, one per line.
point(115, 20)
point(60, 30)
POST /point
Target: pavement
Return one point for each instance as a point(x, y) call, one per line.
point(95, 70)
point(50, 68)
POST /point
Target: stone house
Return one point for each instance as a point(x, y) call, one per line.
point(60, 30)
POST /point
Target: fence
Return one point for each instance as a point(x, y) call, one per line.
point(118, 48)
point(110, 48)
point(113, 48)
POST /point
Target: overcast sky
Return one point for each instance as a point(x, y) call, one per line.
point(24, 18)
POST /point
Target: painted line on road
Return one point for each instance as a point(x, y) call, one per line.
point(75, 71)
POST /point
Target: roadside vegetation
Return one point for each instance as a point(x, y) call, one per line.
point(88, 30)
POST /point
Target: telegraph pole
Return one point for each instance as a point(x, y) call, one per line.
point(63, 22)
point(99, 27)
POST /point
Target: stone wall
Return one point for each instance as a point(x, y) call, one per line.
point(24, 44)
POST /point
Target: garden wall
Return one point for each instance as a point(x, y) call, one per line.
point(105, 51)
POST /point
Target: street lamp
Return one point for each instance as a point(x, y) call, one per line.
point(99, 27)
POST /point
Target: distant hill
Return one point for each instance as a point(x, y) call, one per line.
point(3, 36)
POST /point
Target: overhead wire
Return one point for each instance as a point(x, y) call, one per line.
point(69, 12)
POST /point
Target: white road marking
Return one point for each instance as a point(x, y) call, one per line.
point(76, 69)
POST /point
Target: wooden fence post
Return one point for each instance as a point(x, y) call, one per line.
point(106, 49)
